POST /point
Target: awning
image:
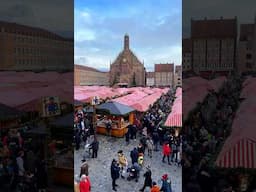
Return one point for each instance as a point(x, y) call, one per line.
point(241, 154)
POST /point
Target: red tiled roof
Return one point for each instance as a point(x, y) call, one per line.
point(186, 45)
point(30, 31)
point(164, 67)
point(150, 74)
point(218, 28)
point(245, 31)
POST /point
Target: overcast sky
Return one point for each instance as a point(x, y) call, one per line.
point(54, 15)
point(154, 27)
point(245, 11)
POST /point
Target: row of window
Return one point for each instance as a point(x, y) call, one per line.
point(217, 65)
point(40, 52)
point(42, 61)
point(44, 41)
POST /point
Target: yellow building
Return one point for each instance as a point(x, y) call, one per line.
point(30, 48)
point(89, 76)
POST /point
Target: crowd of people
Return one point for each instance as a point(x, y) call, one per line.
point(22, 165)
point(203, 136)
point(152, 138)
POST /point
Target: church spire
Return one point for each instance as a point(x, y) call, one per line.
point(126, 42)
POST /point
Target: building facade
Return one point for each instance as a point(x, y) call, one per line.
point(164, 75)
point(186, 55)
point(247, 48)
point(29, 48)
point(150, 79)
point(213, 45)
point(178, 76)
point(84, 75)
point(127, 68)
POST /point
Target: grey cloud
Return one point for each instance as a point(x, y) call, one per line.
point(53, 15)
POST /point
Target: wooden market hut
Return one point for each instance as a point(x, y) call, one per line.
point(62, 132)
point(117, 112)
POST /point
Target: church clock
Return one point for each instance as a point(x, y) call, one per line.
point(124, 60)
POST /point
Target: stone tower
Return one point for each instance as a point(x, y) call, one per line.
point(126, 42)
point(127, 68)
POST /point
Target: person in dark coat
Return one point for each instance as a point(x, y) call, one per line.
point(115, 169)
point(77, 139)
point(84, 168)
point(140, 149)
point(127, 136)
point(155, 138)
point(41, 175)
point(133, 131)
point(134, 155)
point(95, 147)
point(148, 179)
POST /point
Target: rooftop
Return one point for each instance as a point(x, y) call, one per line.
point(30, 31)
point(86, 68)
point(214, 28)
point(168, 67)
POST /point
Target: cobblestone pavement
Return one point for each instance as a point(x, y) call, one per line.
point(99, 168)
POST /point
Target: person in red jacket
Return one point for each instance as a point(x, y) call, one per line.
point(85, 184)
point(166, 152)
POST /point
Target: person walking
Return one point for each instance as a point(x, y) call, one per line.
point(166, 185)
point(84, 168)
point(166, 153)
point(20, 163)
point(150, 146)
point(174, 151)
point(133, 132)
point(155, 187)
point(95, 147)
point(148, 179)
point(77, 139)
point(127, 136)
point(134, 155)
point(85, 184)
point(115, 169)
point(41, 175)
point(155, 138)
point(122, 162)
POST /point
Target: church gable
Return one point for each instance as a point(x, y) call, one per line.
point(126, 66)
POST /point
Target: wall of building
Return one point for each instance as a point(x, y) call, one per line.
point(31, 50)
point(90, 77)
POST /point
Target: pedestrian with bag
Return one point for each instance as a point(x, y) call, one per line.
point(166, 184)
point(85, 184)
point(166, 152)
point(95, 147)
point(115, 169)
point(148, 179)
point(123, 163)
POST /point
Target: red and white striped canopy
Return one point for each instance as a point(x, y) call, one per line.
point(174, 119)
point(239, 149)
point(242, 154)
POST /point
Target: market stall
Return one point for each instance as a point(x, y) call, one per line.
point(119, 116)
point(63, 156)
